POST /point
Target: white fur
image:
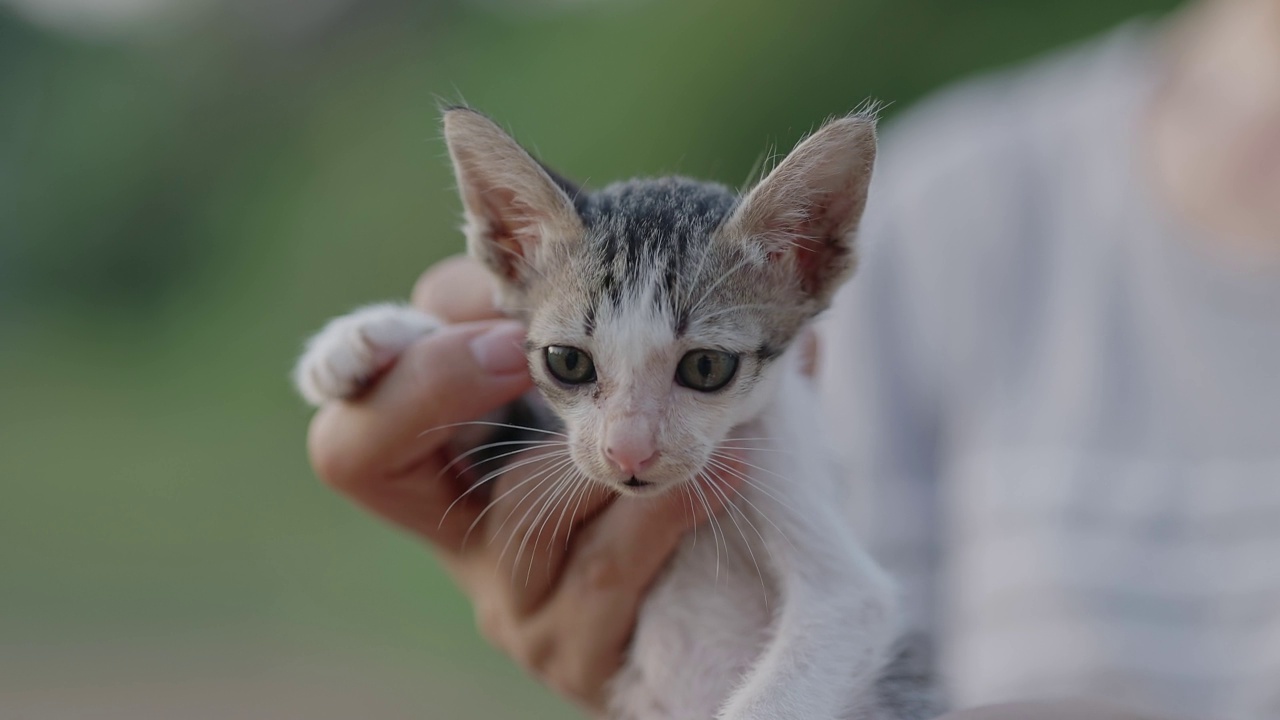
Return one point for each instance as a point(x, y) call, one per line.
point(712, 642)
point(353, 349)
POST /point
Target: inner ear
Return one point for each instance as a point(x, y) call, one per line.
point(805, 213)
point(814, 243)
point(514, 206)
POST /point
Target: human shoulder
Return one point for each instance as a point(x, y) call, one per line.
point(1002, 124)
point(978, 167)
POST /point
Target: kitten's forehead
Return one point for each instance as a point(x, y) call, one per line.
point(649, 254)
point(645, 211)
point(646, 232)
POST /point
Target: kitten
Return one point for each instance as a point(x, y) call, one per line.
point(662, 317)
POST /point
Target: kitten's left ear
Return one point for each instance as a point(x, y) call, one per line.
point(514, 207)
point(805, 213)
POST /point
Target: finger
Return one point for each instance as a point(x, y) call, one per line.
point(457, 289)
point(385, 449)
point(454, 375)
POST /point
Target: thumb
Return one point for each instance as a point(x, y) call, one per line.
point(455, 375)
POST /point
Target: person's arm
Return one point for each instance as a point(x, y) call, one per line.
point(881, 386)
point(1058, 710)
point(569, 623)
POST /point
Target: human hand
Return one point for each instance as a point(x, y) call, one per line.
point(559, 597)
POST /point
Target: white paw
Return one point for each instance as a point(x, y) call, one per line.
point(351, 350)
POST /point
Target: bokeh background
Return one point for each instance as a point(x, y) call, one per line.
point(188, 188)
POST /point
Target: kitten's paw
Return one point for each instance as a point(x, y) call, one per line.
point(351, 350)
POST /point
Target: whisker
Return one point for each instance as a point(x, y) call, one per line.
point(693, 513)
point(493, 503)
point(746, 479)
point(569, 534)
point(755, 507)
point(497, 473)
point(581, 487)
point(756, 467)
point(757, 444)
point(545, 474)
point(545, 505)
point(535, 504)
point(505, 455)
point(761, 440)
point(540, 482)
point(563, 489)
point(548, 474)
point(745, 540)
point(575, 485)
point(750, 449)
point(714, 525)
point(529, 445)
point(723, 493)
point(490, 423)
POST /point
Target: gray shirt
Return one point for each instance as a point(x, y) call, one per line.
point(1061, 407)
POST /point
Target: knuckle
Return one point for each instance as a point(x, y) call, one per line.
point(330, 459)
point(431, 290)
point(536, 653)
point(531, 649)
point(429, 364)
point(430, 375)
point(575, 676)
point(561, 654)
point(491, 621)
point(601, 571)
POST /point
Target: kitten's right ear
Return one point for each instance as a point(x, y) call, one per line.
point(514, 208)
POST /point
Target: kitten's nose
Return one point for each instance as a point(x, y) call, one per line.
point(630, 449)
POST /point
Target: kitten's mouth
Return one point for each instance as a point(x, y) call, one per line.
point(635, 487)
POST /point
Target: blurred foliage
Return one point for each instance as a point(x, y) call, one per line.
point(178, 211)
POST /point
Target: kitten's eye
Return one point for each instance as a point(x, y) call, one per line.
point(706, 370)
point(570, 365)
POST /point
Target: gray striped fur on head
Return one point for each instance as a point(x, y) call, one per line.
point(656, 241)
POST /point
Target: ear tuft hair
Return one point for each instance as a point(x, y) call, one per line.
point(805, 212)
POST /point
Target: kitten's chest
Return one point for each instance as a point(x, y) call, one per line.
point(706, 620)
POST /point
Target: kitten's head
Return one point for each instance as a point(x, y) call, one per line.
point(657, 308)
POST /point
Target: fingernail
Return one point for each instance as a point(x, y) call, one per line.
point(500, 350)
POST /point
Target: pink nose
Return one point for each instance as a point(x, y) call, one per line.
point(631, 455)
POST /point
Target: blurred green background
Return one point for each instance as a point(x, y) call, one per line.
point(188, 189)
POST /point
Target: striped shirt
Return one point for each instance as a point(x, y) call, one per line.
point(1061, 407)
